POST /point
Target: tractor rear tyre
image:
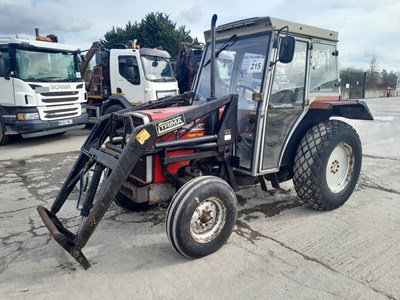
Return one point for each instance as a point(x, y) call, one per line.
point(201, 216)
point(327, 165)
point(123, 201)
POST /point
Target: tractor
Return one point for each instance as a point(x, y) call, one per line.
point(265, 108)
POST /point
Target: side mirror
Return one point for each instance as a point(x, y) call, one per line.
point(286, 49)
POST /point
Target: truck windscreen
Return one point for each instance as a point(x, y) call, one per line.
point(157, 69)
point(47, 66)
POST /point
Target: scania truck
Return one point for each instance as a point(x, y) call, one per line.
point(42, 91)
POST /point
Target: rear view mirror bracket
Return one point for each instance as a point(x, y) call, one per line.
point(286, 47)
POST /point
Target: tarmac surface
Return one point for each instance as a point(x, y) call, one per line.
point(280, 249)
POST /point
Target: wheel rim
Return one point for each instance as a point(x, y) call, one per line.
point(340, 167)
point(208, 220)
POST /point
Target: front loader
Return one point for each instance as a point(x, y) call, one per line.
point(262, 109)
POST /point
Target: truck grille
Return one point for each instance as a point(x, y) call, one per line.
point(60, 97)
point(51, 113)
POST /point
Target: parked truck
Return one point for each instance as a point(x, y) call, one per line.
point(187, 64)
point(264, 110)
point(126, 75)
point(41, 88)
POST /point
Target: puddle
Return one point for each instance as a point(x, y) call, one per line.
point(14, 164)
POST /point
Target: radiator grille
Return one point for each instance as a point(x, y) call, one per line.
point(139, 172)
point(60, 97)
point(54, 113)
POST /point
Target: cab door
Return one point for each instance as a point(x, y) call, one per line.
point(6, 84)
point(128, 79)
point(284, 107)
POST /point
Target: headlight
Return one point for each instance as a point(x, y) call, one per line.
point(28, 116)
point(83, 108)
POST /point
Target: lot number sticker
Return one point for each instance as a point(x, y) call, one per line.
point(256, 65)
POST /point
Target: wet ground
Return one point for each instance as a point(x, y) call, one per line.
point(280, 249)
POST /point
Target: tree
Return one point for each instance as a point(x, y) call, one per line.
point(118, 35)
point(388, 79)
point(373, 75)
point(375, 80)
point(156, 30)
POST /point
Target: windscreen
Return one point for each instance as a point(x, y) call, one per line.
point(157, 69)
point(239, 69)
point(47, 66)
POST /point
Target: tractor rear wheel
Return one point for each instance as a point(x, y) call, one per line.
point(201, 216)
point(327, 165)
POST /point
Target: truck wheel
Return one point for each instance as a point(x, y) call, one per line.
point(327, 165)
point(123, 201)
point(201, 216)
point(113, 108)
point(3, 138)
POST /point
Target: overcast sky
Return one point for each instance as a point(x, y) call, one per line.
point(366, 27)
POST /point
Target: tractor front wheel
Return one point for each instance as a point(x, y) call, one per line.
point(327, 165)
point(201, 216)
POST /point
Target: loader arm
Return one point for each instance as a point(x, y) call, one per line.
point(89, 55)
point(143, 140)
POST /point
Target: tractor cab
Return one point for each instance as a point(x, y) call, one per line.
point(277, 68)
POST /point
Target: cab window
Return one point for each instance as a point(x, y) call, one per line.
point(128, 68)
point(289, 80)
point(324, 72)
point(6, 58)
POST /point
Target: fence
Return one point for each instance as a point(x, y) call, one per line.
point(374, 93)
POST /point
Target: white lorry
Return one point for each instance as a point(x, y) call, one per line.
point(124, 76)
point(41, 88)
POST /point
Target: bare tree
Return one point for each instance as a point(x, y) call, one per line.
point(373, 64)
point(373, 76)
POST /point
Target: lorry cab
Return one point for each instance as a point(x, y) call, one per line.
point(141, 75)
point(124, 76)
point(41, 89)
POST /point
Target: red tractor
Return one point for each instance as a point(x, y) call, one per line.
point(261, 110)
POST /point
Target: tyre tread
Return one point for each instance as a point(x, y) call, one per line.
point(308, 162)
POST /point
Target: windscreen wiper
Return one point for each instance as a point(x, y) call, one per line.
point(225, 46)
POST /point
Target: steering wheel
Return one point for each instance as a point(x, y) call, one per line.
point(243, 88)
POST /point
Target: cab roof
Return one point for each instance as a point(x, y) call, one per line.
point(40, 44)
point(265, 24)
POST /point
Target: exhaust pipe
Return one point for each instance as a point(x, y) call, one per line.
point(213, 118)
point(212, 66)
